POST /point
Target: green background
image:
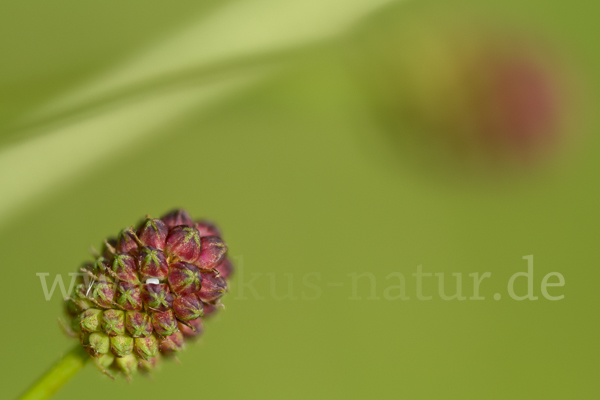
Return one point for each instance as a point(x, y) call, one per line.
point(301, 181)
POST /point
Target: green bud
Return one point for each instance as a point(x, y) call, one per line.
point(127, 364)
point(121, 346)
point(72, 307)
point(146, 347)
point(77, 302)
point(105, 360)
point(75, 327)
point(99, 343)
point(148, 365)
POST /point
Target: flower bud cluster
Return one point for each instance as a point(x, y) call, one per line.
point(149, 291)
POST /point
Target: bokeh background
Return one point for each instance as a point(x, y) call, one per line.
point(244, 112)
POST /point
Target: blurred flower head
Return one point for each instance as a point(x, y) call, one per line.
point(466, 87)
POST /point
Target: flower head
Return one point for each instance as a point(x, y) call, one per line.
point(463, 85)
point(145, 294)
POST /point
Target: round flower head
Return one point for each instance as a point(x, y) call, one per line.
point(148, 292)
point(462, 87)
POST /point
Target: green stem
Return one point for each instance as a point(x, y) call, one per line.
point(178, 78)
point(58, 375)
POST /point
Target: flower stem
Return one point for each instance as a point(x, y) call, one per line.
point(58, 375)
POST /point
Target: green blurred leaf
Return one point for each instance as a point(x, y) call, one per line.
point(125, 103)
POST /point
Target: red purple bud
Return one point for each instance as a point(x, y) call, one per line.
point(207, 228)
point(177, 217)
point(209, 309)
point(164, 323)
point(213, 286)
point(184, 242)
point(138, 324)
point(113, 322)
point(157, 296)
point(188, 307)
point(192, 328)
point(184, 278)
point(127, 242)
point(153, 233)
point(172, 343)
point(129, 296)
point(213, 252)
point(102, 293)
point(153, 263)
point(225, 268)
point(124, 268)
